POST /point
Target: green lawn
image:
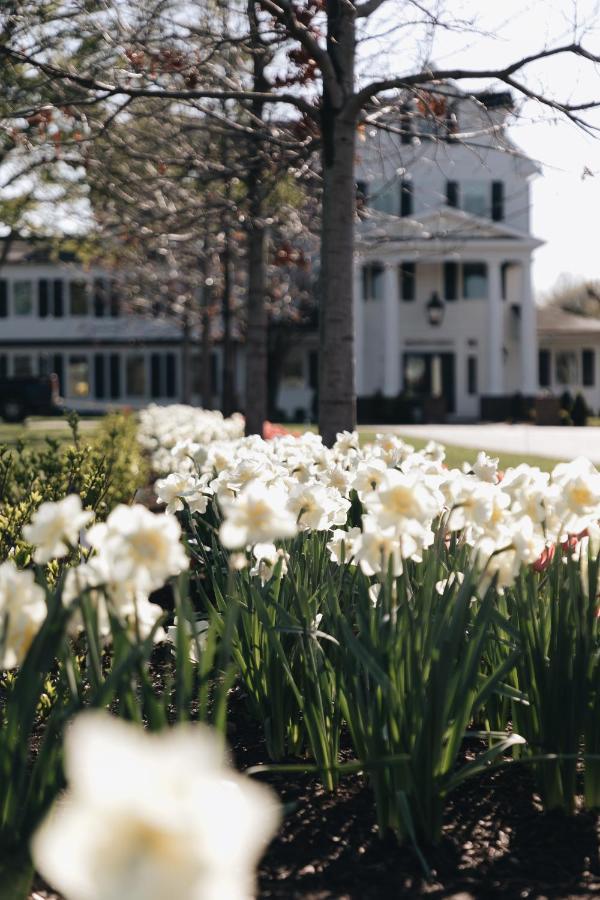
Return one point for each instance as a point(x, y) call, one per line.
point(36, 429)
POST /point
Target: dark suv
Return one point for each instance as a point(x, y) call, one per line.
point(30, 395)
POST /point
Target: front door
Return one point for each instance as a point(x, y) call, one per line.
point(430, 376)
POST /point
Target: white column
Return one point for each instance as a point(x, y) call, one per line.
point(391, 331)
point(359, 329)
point(494, 382)
point(528, 348)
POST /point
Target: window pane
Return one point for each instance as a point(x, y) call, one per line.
point(474, 281)
point(22, 366)
point(23, 298)
point(78, 298)
point(475, 196)
point(78, 377)
point(135, 369)
point(566, 367)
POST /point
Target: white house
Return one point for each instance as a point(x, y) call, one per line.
point(58, 316)
point(443, 300)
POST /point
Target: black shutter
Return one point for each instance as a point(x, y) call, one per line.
point(406, 198)
point(450, 281)
point(497, 200)
point(99, 378)
point(3, 365)
point(3, 298)
point(43, 288)
point(362, 192)
point(171, 375)
point(406, 125)
point(58, 291)
point(155, 367)
point(588, 365)
point(544, 368)
point(115, 376)
point(365, 272)
point(407, 281)
point(58, 368)
point(452, 193)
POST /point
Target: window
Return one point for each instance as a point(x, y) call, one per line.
point(58, 294)
point(135, 376)
point(155, 375)
point(292, 375)
point(43, 292)
point(99, 297)
point(3, 298)
point(115, 300)
point(384, 196)
point(544, 368)
point(171, 375)
point(480, 198)
point(588, 368)
point(407, 274)
point(58, 369)
point(475, 198)
point(471, 375)
point(78, 377)
point(78, 301)
point(44, 364)
point(23, 298)
point(99, 376)
point(22, 366)
point(372, 275)
point(566, 367)
point(115, 376)
point(474, 281)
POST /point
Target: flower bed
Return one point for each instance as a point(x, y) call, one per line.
point(376, 634)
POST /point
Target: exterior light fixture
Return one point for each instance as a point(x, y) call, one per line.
point(435, 309)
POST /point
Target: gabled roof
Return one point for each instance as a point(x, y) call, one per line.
point(553, 320)
point(446, 225)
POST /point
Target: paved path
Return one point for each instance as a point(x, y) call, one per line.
point(551, 442)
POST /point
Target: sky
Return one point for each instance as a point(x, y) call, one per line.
point(566, 197)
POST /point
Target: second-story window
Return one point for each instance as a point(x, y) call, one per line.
point(78, 298)
point(484, 199)
point(23, 298)
point(372, 281)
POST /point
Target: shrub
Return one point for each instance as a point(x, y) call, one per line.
point(103, 470)
point(580, 411)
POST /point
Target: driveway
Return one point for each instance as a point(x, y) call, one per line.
point(548, 441)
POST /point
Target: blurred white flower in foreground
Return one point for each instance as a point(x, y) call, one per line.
point(55, 527)
point(22, 611)
point(152, 817)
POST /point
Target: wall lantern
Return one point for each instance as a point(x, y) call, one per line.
point(435, 309)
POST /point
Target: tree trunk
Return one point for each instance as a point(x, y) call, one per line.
point(205, 374)
point(337, 398)
point(186, 359)
point(228, 395)
point(256, 311)
point(256, 329)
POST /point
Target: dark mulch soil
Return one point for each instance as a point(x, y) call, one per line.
point(497, 842)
